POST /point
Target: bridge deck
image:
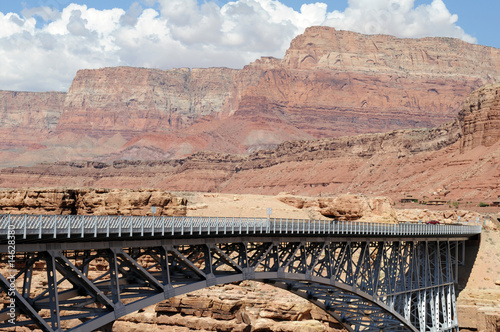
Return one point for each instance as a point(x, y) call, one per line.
point(61, 228)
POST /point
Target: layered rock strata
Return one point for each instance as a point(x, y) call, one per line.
point(91, 202)
point(130, 100)
point(330, 83)
point(245, 306)
point(27, 117)
point(420, 162)
point(480, 118)
point(347, 207)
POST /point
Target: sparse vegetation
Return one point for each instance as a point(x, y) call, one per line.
point(482, 204)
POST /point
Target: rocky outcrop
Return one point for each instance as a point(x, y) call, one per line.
point(480, 118)
point(346, 83)
point(26, 119)
point(325, 47)
point(91, 202)
point(444, 216)
point(347, 207)
point(38, 111)
point(245, 306)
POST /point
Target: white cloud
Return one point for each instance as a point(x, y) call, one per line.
point(399, 18)
point(43, 48)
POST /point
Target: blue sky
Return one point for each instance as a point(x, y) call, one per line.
point(479, 18)
point(44, 42)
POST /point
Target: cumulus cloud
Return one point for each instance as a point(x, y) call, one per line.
point(399, 18)
point(42, 48)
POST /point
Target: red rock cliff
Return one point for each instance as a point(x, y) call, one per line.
point(333, 83)
point(480, 117)
point(134, 100)
point(330, 83)
point(419, 162)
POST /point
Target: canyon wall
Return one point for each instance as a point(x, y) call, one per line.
point(480, 118)
point(330, 83)
point(27, 117)
point(38, 111)
point(134, 100)
point(419, 162)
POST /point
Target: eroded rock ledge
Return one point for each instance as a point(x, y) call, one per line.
point(91, 202)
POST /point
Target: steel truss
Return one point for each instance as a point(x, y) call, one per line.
point(367, 284)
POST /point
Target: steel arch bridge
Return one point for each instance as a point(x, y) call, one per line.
point(370, 277)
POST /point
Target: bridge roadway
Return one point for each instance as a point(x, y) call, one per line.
point(370, 277)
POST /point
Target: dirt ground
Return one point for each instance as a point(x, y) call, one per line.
point(253, 206)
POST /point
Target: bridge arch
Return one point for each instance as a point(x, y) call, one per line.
point(354, 309)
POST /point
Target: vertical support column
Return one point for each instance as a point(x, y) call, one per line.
point(454, 319)
point(85, 263)
point(165, 269)
point(28, 276)
point(449, 305)
point(455, 277)
point(165, 273)
point(434, 308)
point(407, 306)
point(115, 283)
point(55, 317)
point(442, 291)
point(421, 309)
point(207, 253)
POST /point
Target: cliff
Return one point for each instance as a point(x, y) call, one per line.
point(419, 162)
point(480, 118)
point(329, 84)
point(335, 83)
point(134, 100)
point(91, 202)
point(27, 117)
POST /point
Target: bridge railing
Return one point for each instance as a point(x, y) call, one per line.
point(71, 226)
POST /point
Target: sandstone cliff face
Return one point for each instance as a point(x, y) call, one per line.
point(134, 100)
point(91, 202)
point(342, 82)
point(417, 162)
point(480, 118)
point(330, 83)
point(30, 110)
point(27, 117)
point(324, 47)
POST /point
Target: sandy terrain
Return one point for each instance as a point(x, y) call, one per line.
point(254, 206)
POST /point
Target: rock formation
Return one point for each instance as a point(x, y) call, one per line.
point(26, 118)
point(330, 83)
point(129, 100)
point(458, 159)
point(91, 202)
point(480, 118)
point(246, 306)
point(347, 207)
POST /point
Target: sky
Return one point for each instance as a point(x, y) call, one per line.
point(43, 43)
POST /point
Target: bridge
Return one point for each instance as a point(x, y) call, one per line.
point(370, 277)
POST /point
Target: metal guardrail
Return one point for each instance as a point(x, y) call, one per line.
point(71, 226)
